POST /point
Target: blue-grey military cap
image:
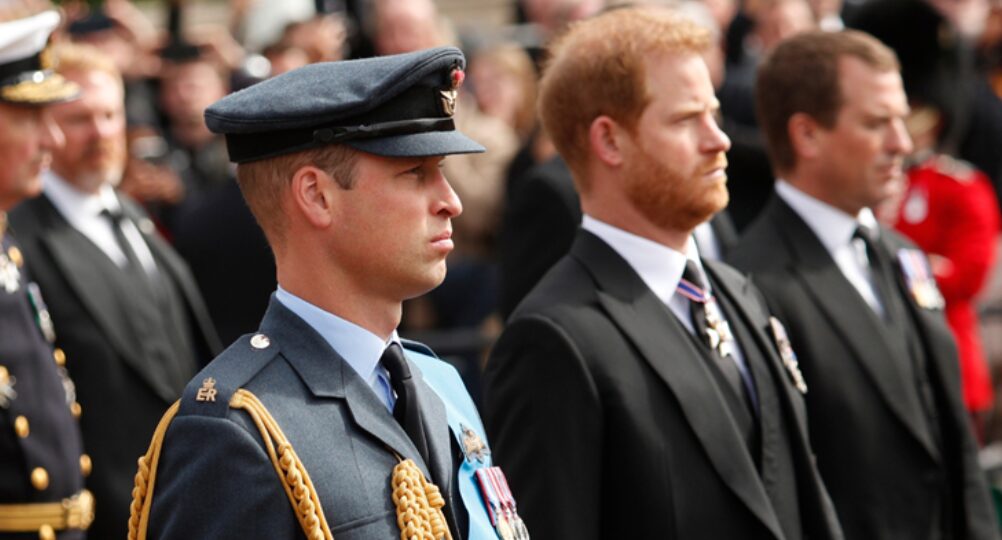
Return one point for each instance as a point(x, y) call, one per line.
point(398, 106)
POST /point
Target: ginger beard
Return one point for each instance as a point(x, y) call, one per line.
point(672, 200)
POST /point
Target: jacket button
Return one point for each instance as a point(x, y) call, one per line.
point(45, 532)
point(59, 356)
point(21, 427)
point(40, 478)
point(85, 465)
point(76, 410)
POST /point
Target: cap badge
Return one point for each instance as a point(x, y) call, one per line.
point(208, 390)
point(449, 96)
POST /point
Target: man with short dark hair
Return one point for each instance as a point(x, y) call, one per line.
point(864, 315)
point(640, 390)
point(324, 423)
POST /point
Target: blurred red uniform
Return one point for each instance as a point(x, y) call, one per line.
point(950, 211)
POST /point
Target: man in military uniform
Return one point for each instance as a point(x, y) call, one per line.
point(41, 462)
point(642, 390)
point(887, 421)
point(325, 423)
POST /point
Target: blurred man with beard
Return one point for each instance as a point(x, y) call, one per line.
point(887, 420)
point(130, 319)
point(641, 391)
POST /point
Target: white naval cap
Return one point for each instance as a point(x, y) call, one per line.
point(24, 77)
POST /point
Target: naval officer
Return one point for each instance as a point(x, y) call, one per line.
point(324, 423)
point(42, 465)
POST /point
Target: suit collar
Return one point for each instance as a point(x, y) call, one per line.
point(850, 316)
point(665, 346)
point(833, 227)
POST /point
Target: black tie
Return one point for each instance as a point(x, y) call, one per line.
point(880, 267)
point(133, 265)
point(697, 311)
point(405, 410)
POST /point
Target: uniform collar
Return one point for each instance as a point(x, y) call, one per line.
point(360, 348)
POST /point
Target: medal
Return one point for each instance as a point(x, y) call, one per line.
point(42, 316)
point(501, 504)
point(786, 353)
point(919, 279)
point(508, 503)
point(10, 275)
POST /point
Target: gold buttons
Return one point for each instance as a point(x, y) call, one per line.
point(21, 427)
point(40, 478)
point(59, 356)
point(45, 532)
point(85, 465)
point(76, 410)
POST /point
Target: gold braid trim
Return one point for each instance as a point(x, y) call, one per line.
point(419, 504)
point(290, 469)
point(146, 476)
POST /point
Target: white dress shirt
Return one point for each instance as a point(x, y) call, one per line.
point(835, 229)
point(83, 212)
point(360, 348)
point(659, 266)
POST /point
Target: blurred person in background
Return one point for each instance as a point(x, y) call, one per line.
point(948, 208)
point(130, 317)
point(42, 464)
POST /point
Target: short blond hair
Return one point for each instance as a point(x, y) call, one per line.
point(598, 67)
point(265, 182)
point(69, 57)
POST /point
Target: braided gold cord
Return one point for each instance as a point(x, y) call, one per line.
point(146, 476)
point(296, 481)
point(419, 504)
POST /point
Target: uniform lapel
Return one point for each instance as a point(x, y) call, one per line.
point(327, 375)
point(69, 249)
point(842, 305)
point(663, 344)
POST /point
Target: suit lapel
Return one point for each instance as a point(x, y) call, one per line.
point(662, 341)
point(327, 375)
point(842, 304)
point(69, 248)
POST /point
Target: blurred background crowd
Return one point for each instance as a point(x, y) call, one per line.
point(520, 209)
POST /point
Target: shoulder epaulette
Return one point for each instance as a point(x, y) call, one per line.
point(955, 168)
point(210, 391)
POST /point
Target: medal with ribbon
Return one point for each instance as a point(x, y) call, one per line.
point(495, 509)
point(920, 280)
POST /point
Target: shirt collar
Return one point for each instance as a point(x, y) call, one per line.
point(832, 226)
point(359, 347)
point(73, 203)
point(659, 266)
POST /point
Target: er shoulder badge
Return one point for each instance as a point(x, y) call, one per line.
point(787, 355)
point(919, 279)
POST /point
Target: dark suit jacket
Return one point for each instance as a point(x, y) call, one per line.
point(878, 459)
point(609, 424)
point(122, 393)
point(215, 479)
point(542, 215)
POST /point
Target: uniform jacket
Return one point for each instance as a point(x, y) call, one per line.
point(610, 424)
point(885, 473)
point(32, 387)
point(950, 211)
point(123, 392)
point(215, 479)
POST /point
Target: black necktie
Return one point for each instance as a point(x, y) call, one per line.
point(698, 313)
point(405, 410)
point(880, 267)
point(133, 265)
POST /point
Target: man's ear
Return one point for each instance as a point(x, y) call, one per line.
point(806, 135)
point(606, 139)
point(313, 195)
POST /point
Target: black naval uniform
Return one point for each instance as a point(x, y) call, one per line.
point(41, 459)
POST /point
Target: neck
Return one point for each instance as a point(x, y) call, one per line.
point(631, 221)
point(335, 292)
